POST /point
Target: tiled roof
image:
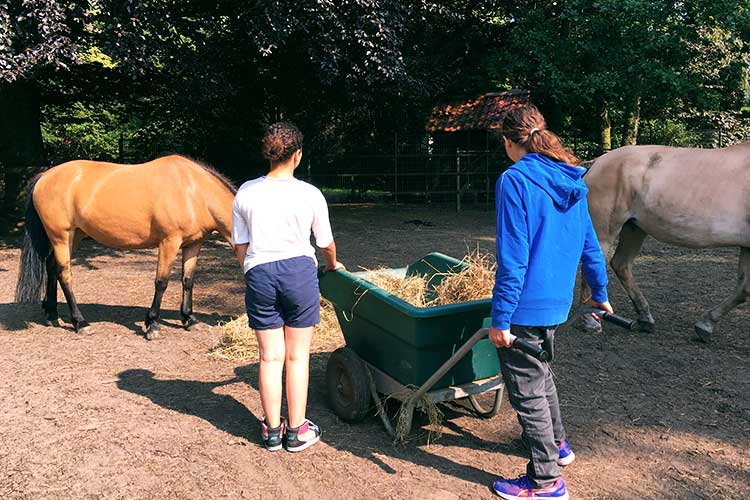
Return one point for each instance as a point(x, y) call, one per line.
point(483, 113)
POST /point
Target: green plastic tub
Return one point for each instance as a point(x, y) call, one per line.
point(406, 342)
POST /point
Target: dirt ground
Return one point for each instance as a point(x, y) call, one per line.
point(114, 416)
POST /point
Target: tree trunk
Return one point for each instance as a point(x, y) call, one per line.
point(605, 127)
point(21, 145)
point(630, 136)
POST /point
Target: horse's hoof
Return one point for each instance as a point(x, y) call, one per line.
point(190, 324)
point(84, 330)
point(703, 330)
point(153, 334)
point(53, 322)
point(587, 324)
point(645, 326)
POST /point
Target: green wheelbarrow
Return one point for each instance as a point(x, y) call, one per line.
point(439, 352)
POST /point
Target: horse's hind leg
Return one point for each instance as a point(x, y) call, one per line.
point(50, 297)
point(189, 261)
point(705, 327)
point(62, 249)
point(588, 323)
point(628, 247)
point(167, 254)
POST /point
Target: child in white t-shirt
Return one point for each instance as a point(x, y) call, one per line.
point(272, 219)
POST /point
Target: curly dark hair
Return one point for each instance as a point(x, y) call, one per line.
point(280, 141)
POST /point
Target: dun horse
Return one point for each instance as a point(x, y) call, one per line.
point(171, 203)
point(694, 198)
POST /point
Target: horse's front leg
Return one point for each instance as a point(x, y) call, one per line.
point(189, 261)
point(167, 254)
point(588, 324)
point(705, 327)
point(628, 248)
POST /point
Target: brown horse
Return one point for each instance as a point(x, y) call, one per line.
point(171, 203)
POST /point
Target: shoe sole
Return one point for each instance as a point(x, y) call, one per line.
point(304, 446)
point(274, 448)
point(507, 496)
point(562, 462)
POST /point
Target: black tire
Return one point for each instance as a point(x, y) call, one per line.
point(348, 387)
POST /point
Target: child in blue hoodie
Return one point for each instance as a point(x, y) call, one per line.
point(543, 231)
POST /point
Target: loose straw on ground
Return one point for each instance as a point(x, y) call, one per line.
point(238, 342)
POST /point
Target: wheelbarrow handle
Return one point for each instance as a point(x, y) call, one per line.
point(530, 349)
point(616, 320)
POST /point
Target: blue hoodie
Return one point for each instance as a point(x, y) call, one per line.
point(543, 231)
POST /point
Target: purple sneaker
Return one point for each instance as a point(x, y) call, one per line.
point(566, 454)
point(521, 488)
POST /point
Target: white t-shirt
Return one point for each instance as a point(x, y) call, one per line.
point(275, 217)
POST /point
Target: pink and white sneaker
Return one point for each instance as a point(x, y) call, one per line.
point(302, 437)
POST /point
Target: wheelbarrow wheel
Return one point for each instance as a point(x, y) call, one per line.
point(348, 389)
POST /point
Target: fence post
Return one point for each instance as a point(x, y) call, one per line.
point(395, 166)
point(458, 180)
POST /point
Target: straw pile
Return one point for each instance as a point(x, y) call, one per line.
point(410, 288)
point(473, 283)
point(238, 342)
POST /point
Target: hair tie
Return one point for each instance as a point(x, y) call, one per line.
point(532, 132)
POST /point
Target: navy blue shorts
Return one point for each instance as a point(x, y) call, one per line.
point(281, 293)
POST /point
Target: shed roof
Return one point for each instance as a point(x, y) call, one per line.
point(486, 112)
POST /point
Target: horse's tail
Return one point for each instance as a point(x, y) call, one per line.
point(32, 276)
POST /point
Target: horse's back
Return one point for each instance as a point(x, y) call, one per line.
point(124, 206)
point(687, 196)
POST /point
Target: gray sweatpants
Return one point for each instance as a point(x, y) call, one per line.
point(532, 393)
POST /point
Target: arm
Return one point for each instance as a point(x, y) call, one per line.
point(329, 254)
point(321, 228)
point(240, 234)
point(512, 257)
point(241, 250)
point(594, 267)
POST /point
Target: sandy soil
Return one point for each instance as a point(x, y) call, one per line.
point(114, 416)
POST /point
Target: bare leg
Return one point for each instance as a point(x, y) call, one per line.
point(189, 261)
point(167, 254)
point(272, 353)
point(631, 239)
point(297, 372)
point(705, 327)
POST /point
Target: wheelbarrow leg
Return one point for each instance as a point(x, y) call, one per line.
point(379, 405)
point(481, 410)
point(445, 368)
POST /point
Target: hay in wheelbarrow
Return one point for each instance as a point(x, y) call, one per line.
point(474, 282)
point(238, 342)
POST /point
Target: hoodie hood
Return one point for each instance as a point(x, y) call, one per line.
point(562, 182)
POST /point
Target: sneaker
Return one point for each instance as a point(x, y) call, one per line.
point(303, 436)
point(272, 438)
point(566, 457)
point(566, 454)
point(521, 488)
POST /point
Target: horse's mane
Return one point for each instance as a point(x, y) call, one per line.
point(211, 170)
